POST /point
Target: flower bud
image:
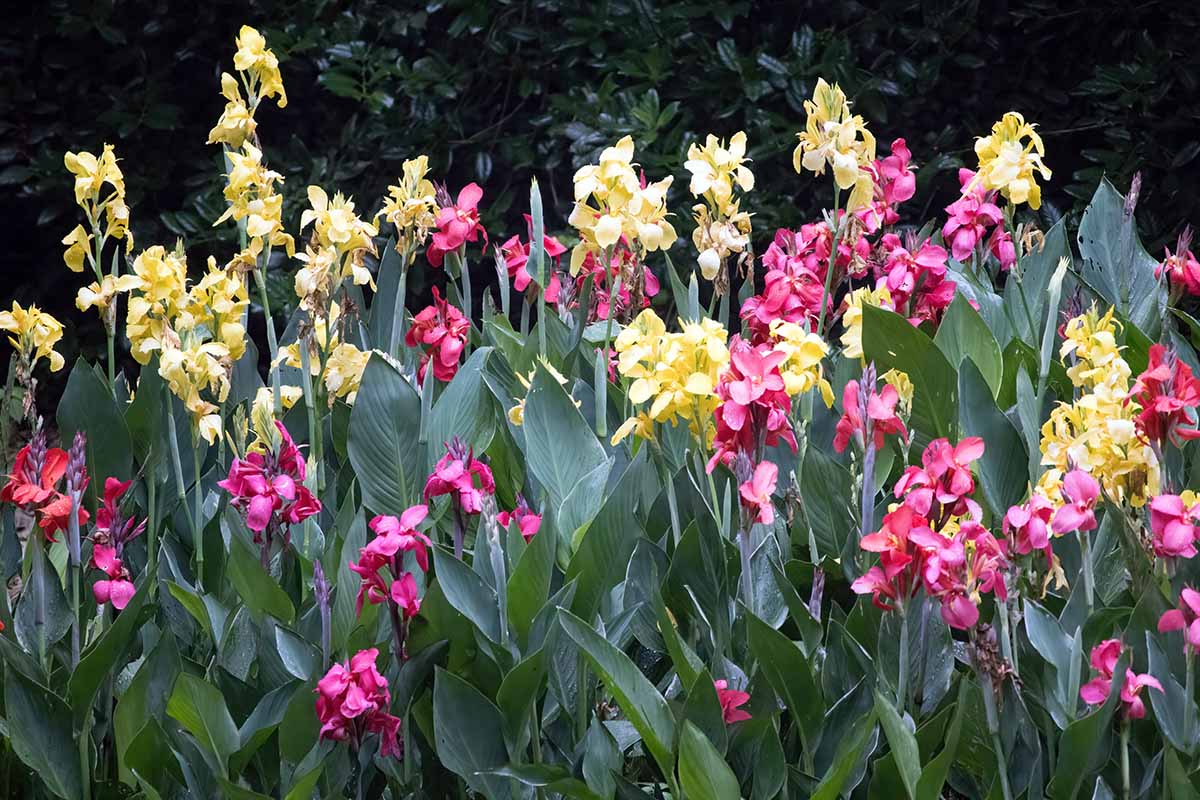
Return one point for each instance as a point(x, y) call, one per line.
point(77, 465)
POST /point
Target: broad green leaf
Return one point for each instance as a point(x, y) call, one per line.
point(827, 490)
point(935, 773)
point(467, 593)
point(147, 694)
point(1080, 741)
point(200, 708)
point(1171, 704)
point(469, 734)
point(40, 724)
point(637, 697)
point(465, 409)
point(893, 343)
point(1003, 466)
point(87, 405)
point(547, 776)
point(789, 673)
point(99, 660)
point(383, 314)
point(519, 693)
point(58, 612)
point(254, 585)
point(383, 445)
point(703, 773)
point(902, 741)
point(529, 584)
point(261, 723)
point(849, 751)
point(343, 617)
point(962, 335)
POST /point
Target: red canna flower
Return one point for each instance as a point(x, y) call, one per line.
point(456, 473)
point(33, 480)
point(1169, 395)
point(940, 488)
point(516, 258)
point(116, 587)
point(969, 219)
point(1028, 526)
point(353, 700)
point(895, 182)
point(458, 223)
point(731, 700)
point(444, 330)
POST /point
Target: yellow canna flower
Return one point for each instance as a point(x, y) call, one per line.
point(337, 228)
point(344, 371)
point(218, 304)
point(34, 334)
point(78, 244)
point(852, 318)
point(1010, 159)
point(236, 123)
point(100, 294)
point(834, 137)
point(260, 64)
point(904, 388)
point(91, 176)
point(805, 351)
point(91, 173)
point(159, 288)
point(192, 371)
point(411, 205)
point(717, 168)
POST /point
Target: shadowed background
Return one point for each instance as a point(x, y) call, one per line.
point(500, 91)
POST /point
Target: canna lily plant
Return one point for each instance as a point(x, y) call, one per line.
point(912, 514)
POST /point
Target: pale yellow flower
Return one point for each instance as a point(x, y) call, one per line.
point(34, 334)
point(1010, 159)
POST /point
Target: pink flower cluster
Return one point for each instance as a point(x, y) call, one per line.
point(754, 404)
point(895, 182)
point(963, 567)
point(1103, 659)
point(516, 258)
point(915, 275)
point(393, 538)
point(113, 531)
point(1173, 526)
point(458, 223)
point(941, 487)
point(879, 420)
point(1027, 526)
point(269, 489)
point(353, 700)
point(528, 522)
point(1169, 395)
point(443, 330)
point(1186, 618)
point(456, 473)
point(970, 217)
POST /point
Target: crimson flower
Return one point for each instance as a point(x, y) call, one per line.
point(458, 223)
point(939, 488)
point(970, 216)
point(881, 417)
point(456, 473)
point(1095, 692)
point(443, 329)
point(1186, 618)
point(516, 259)
point(33, 482)
point(731, 700)
point(116, 587)
point(754, 403)
point(353, 700)
point(527, 521)
point(1078, 513)
point(1181, 267)
point(113, 531)
point(959, 569)
point(915, 275)
point(1173, 525)
point(1169, 395)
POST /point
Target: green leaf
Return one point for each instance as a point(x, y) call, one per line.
point(518, 693)
point(100, 659)
point(789, 673)
point(902, 741)
point(343, 619)
point(467, 593)
point(560, 447)
point(262, 722)
point(469, 734)
point(848, 754)
point(254, 584)
point(40, 724)
point(1003, 466)
point(537, 241)
point(383, 445)
point(1171, 704)
point(1182, 787)
point(87, 405)
point(547, 776)
point(529, 584)
point(144, 414)
point(382, 315)
point(703, 773)
point(1081, 740)
point(465, 409)
point(637, 697)
point(826, 487)
point(58, 612)
point(200, 708)
point(892, 343)
point(935, 773)
point(963, 335)
point(147, 695)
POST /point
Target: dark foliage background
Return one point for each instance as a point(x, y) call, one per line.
point(497, 91)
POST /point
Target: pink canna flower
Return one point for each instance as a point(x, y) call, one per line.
point(113, 531)
point(405, 595)
point(1103, 659)
point(960, 569)
point(970, 217)
point(895, 182)
point(527, 521)
point(941, 487)
point(754, 403)
point(516, 257)
point(1181, 267)
point(731, 700)
point(443, 330)
point(624, 262)
point(757, 490)
point(915, 276)
point(881, 417)
point(353, 701)
point(1078, 513)
point(1000, 244)
point(1028, 526)
point(1169, 395)
point(1185, 618)
point(458, 223)
point(456, 474)
point(116, 587)
point(1173, 525)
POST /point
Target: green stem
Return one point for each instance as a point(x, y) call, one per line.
point(1189, 693)
point(832, 265)
point(260, 279)
point(85, 768)
point(112, 358)
point(152, 521)
point(581, 699)
point(535, 740)
point(1125, 759)
point(993, 724)
point(602, 360)
point(310, 406)
point(197, 525)
point(399, 318)
point(1085, 553)
point(747, 578)
point(5, 431)
point(902, 680)
point(38, 568)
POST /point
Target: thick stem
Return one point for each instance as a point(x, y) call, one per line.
point(1189, 693)
point(993, 724)
point(1006, 643)
point(902, 680)
point(73, 546)
point(197, 526)
point(1125, 759)
point(460, 527)
point(152, 521)
point(832, 265)
point(747, 578)
point(310, 405)
point(867, 495)
point(38, 569)
point(601, 377)
point(399, 318)
point(260, 278)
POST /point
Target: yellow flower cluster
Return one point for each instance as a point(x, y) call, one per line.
point(192, 369)
point(34, 334)
point(340, 240)
point(91, 174)
point(262, 416)
point(250, 187)
point(805, 351)
point(159, 286)
point(676, 373)
point(721, 228)
point(218, 303)
point(1096, 432)
point(411, 206)
point(610, 203)
point(1009, 164)
point(516, 414)
point(833, 136)
point(852, 317)
point(344, 363)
